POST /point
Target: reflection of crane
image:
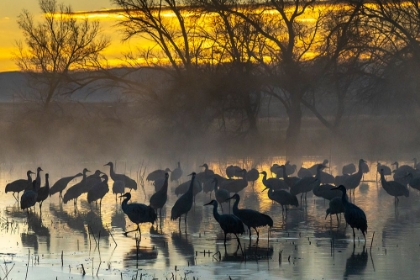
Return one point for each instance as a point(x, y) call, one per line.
point(356, 264)
point(184, 203)
point(61, 184)
point(335, 207)
point(138, 213)
point(394, 188)
point(251, 218)
point(43, 192)
point(228, 223)
point(158, 199)
point(354, 216)
point(98, 191)
point(20, 185)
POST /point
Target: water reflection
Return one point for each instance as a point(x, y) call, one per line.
point(356, 263)
point(183, 246)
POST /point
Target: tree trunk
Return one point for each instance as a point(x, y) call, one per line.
point(293, 130)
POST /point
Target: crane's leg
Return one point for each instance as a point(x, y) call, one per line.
point(258, 234)
point(239, 242)
point(249, 231)
point(221, 207)
point(354, 235)
point(179, 224)
point(15, 197)
point(338, 222)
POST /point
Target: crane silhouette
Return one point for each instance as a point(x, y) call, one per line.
point(61, 184)
point(394, 188)
point(221, 194)
point(28, 198)
point(20, 185)
point(355, 217)
point(282, 197)
point(43, 192)
point(98, 191)
point(307, 184)
point(176, 174)
point(273, 183)
point(353, 181)
point(335, 207)
point(76, 190)
point(138, 213)
point(251, 218)
point(128, 182)
point(229, 223)
point(158, 199)
point(184, 203)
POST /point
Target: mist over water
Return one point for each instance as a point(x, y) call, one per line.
point(303, 244)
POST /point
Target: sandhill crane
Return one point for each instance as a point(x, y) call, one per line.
point(157, 174)
point(349, 169)
point(205, 175)
point(290, 168)
point(355, 217)
point(28, 198)
point(62, 183)
point(138, 213)
point(273, 183)
point(307, 184)
point(325, 192)
point(176, 174)
point(98, 191)
point(353, 181)
point(290, 181)
point(233, 171)
point(43, 192)
point(414, 181)
point(20, 185)
point(184, 203)
point(229, 223)
point(314, 168)
point(400, 173)
point(208, 185)
point(304, 172)
point(76, 190)
point(282, 197)
point(158, 199)
point(183, 188)
point(252, 175)
point(235, 185)
point(128, 182)
point(221, 194)
point(335, 207)
point(92, 180)
point(394, 188)
point(251, 218)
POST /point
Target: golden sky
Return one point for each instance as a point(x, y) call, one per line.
point(10, 33)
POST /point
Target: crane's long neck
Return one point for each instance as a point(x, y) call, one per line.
point(344, 199)
point(47, 183)
point(190, 189)
point(164, 188)
point(216, 215)
point(124, 204)
point(264, 180)
point(38, 180)
point(235, 204)
point(383, 180)
point(111, 170)
point(29, 177)
point(84, 175)
point(285, 177)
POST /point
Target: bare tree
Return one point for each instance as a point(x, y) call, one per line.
point(56, 51)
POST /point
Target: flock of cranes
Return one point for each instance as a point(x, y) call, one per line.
point(282, 188)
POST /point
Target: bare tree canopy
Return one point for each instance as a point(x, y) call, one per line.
point(55, 47)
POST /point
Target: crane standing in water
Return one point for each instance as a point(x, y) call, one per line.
point(184, 203)
point(158, 199)
point(28, 198)
point(354, 216)
point(137, 213)
point(251, 218)
point(229, 223)
point(20, 185)
point(126, 181)
point(43, 192)
point(61, 184)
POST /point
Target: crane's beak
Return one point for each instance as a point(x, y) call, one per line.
point(211, 202)
point(190, 174)
point(264, 189)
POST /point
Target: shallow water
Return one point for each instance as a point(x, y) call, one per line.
point(302, 243)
